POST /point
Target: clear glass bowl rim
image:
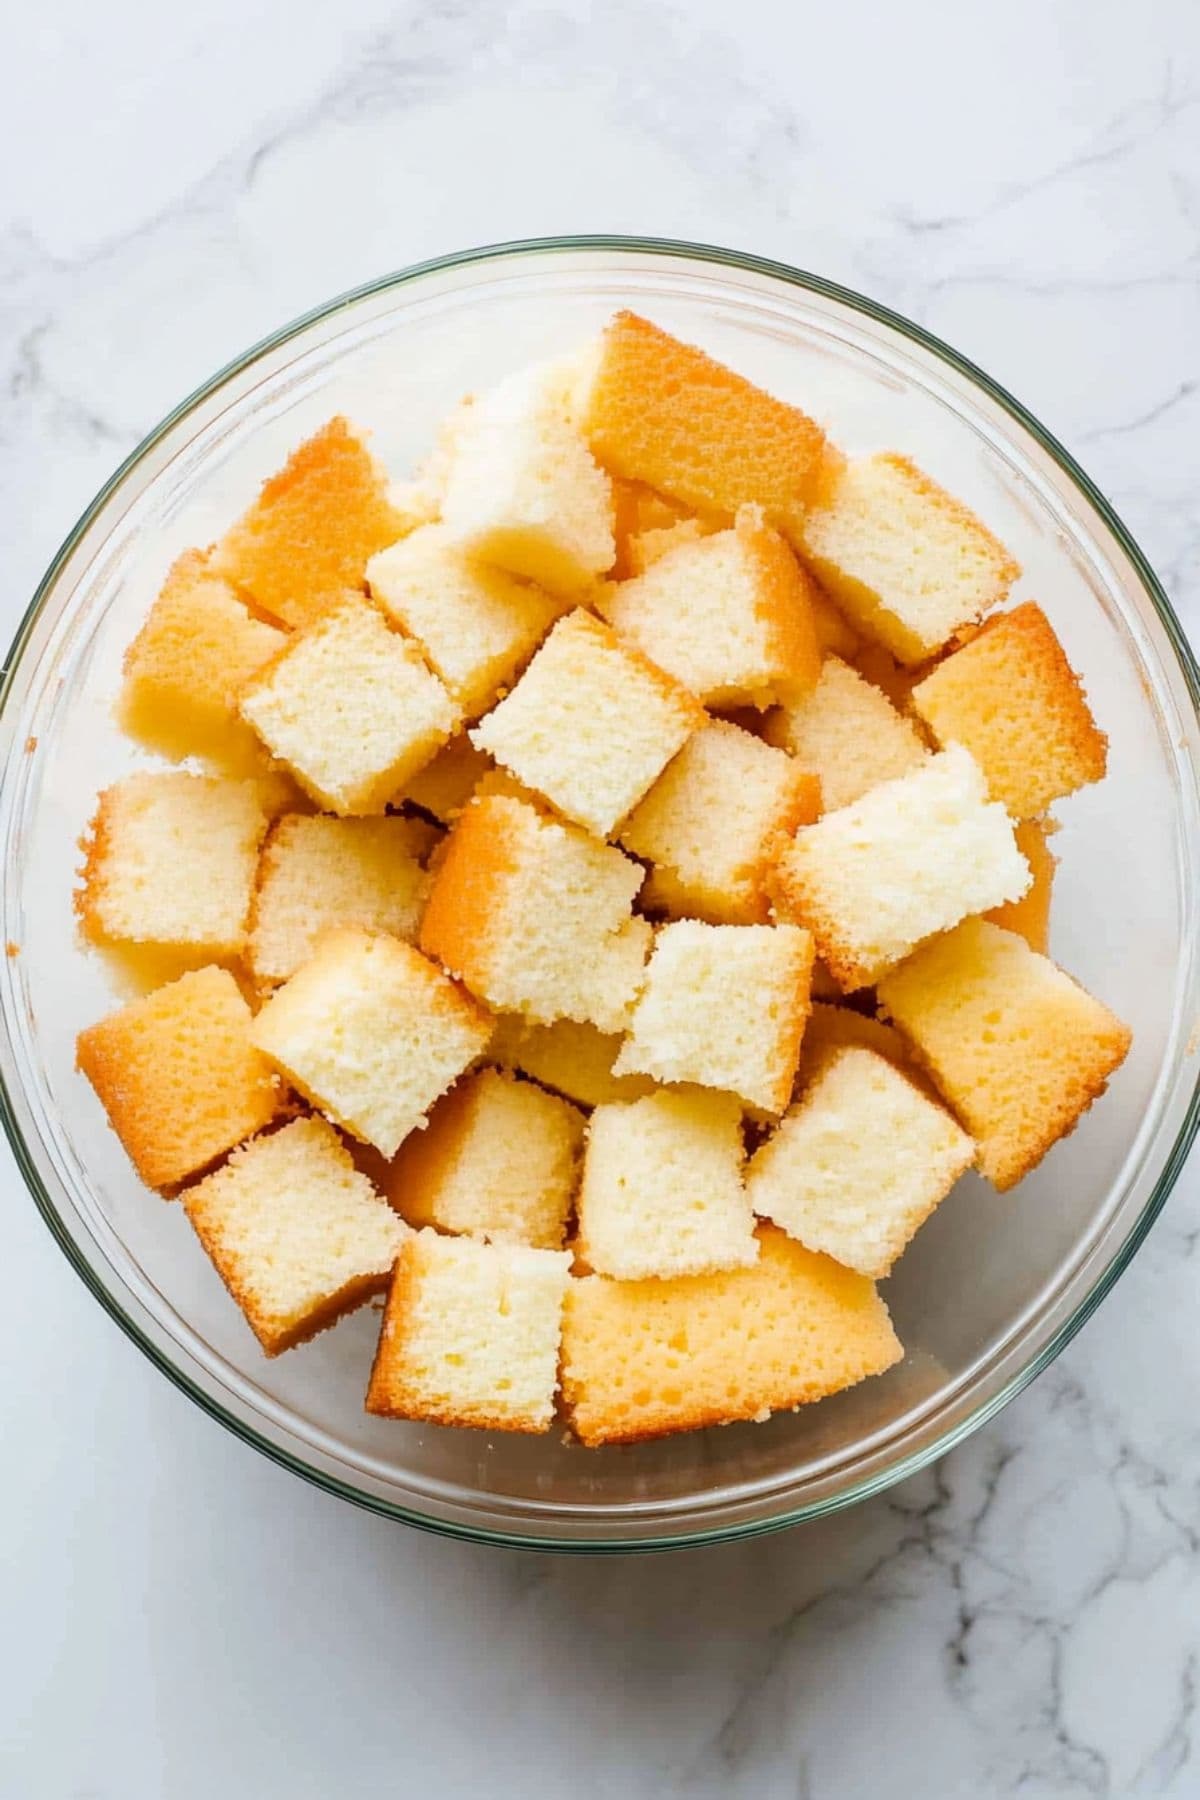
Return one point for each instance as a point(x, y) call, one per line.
point(904, 1466)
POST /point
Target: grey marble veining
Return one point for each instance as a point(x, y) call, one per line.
point(186, 1619)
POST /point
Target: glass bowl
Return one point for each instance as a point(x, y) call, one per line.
point(993, 1287)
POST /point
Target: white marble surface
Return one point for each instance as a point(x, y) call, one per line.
point(182, 1619)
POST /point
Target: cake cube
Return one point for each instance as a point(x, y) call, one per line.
point(199, 644)
point(643, 1359)
point(835, 635)
point(179, 1077)
point(663, 412)
point(846, 733)
point(170, 859)
point(858, 1163)
point(536, 917)
point(523, 490)
point(832, 1027)
point(727, 615)
point(639, 510)
point(906, 561)
point(590, 724)
point(372, 1033)
point(443, 787)
point(316, 872)
point(911, 858)
point(723, 1006)
point(296, 1233)
point(471, 1334)
point(878, 666)
point(1030, 916)
point(711, 822)
point(477, 626)
point(305, 541)
point(1018, 1049)
point(499, 1160)
point(351, 708)
point(662, 1190)
point(572, 1058)
point(1013, 699)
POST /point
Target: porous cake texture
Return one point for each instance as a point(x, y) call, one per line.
point(859, 1162)
point(179, 1077)
point(728, 615)
point(723, 1006)
point(662, 1190)
point(536, 917)
point(499, 1160)
point(1018, 1049)
point(351, 707)
point(644, 1358)
point(907, 561)
point(306, 540)
point(1013, 699)
point(372, 1033)
point(572, 1058)
point(443, 787)
point(591, 723)
point(471, 1334)
point(831, 1028)
point(296, 1233)
point(912, 857)
point(846, 733)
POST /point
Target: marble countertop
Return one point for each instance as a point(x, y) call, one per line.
point(183, 1619)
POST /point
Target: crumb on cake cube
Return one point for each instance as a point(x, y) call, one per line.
point(305, 541)
point(907, 561)
point(316, 872)
point(662, 1191)
point(1018, 1049)
point(847, 733)
point(536, 917)
point(727, 615)
point(296, 1233)
point(642, 1359)
point(724, 1006)
point(859, 1162)
point(571, 1058)
point(477, 625)
point(372, 1033)
point(471, 1334)
point(499, 1160)
point(1012, 698)
point(1030, 915)
point(170, 859)
point(912, 857)
point(590, 724)
point(179, 1077)
point(351, 707)
point(711, 822)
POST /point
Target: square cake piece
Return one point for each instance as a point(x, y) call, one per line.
point(170, 860)
point(305, 541)
point(1018, 1049)
point(352, 709)
point(645, 1358)
point(727, 615)
point(523, 490)
point(572, 1058)
point(536, 917)
point(911, 858)
point(858, 1163)
point(199, 644)
point(710, 825)
point(846, 733)
point(471, 1335)
point(499, 1160)
point(907, 561)
point(372, 1033)
point(662, 1189)
point(179, 1077)
point(724, 1006)
point(591, 724)
point(477, 626)
point(663, 412)
point(296, 1233)
point(1013, 699)
point(316, 872)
